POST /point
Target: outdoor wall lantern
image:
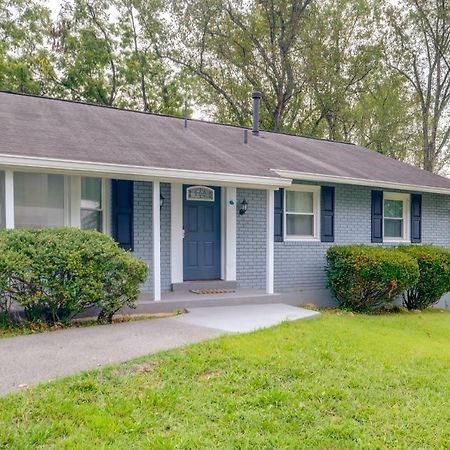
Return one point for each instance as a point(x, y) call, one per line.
point(243, 207)
point(161, 201)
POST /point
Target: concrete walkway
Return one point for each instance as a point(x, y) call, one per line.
point(244, 318)
point(28, 360)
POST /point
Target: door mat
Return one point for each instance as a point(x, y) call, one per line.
point(212, 291)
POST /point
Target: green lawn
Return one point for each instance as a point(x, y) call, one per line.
point(338, 382)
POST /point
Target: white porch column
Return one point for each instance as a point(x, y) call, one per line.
point(75, 201)
point(230, 233)
point(106, 198)
point(176, 236)
point(270, 241)
point(156, 242)
point(9, 199)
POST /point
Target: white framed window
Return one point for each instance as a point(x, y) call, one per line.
point(396, 216)
point(301, 213)
point(91, 204)
point(39, 200)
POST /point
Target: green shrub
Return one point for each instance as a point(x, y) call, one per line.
point(434, 276)
point(56, 273)
point(10, 263)
point(363, 277)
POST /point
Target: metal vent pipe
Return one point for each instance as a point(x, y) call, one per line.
point(256, 96)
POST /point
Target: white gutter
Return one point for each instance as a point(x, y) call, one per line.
point(358, 181)
point(136, 172)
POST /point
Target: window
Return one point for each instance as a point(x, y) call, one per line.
point(301, 212)
point(395, 216)
point(91, 204)
point(200, 193)
point(38, 200)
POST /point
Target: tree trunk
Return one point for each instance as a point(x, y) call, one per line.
point(428, 159)
point(427, 145)
point(139, 56)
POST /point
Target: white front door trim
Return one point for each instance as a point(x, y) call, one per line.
point(230, 233)
point(227, 235)
point(176, 235)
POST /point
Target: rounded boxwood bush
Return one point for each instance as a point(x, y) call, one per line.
point(56, 273)
point(434, 275)
point(363, 277)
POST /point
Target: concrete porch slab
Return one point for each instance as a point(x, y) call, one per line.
point(172, 301)
point(244, 318)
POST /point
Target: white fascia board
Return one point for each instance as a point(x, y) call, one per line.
point(137, 172)
point(358, 182)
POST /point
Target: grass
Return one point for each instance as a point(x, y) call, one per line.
point(341, 381)
point(9, 328)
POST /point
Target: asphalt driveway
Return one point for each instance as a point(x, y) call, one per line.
point(28, 360)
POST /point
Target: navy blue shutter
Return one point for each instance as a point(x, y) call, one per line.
point(122, 213)
point(377, 216)
point(278, 215)
point(327, 214)
point(416, 218)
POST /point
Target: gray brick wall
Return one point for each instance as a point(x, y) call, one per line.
point(143, 232)
point(436, 219)
point(298, 265)
point(251, 239)
point(143, 228)
point(301, 265)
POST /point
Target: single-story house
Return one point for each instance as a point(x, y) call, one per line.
point(207, 202)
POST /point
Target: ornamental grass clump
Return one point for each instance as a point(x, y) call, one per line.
point(434, 276)
point(364, 278)
point(54, 274)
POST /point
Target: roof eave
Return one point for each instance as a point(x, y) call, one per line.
point(138, 172)
point(359, 181)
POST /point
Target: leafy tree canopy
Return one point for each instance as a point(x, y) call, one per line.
point(372, 72)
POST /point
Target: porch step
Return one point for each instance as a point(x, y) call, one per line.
point(188, 286)
point(175, 302)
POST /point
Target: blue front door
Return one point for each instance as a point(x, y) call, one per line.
point(201, 220)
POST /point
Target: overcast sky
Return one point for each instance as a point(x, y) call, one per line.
point(54, 5)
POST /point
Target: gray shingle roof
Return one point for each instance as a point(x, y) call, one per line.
point(42, 127)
